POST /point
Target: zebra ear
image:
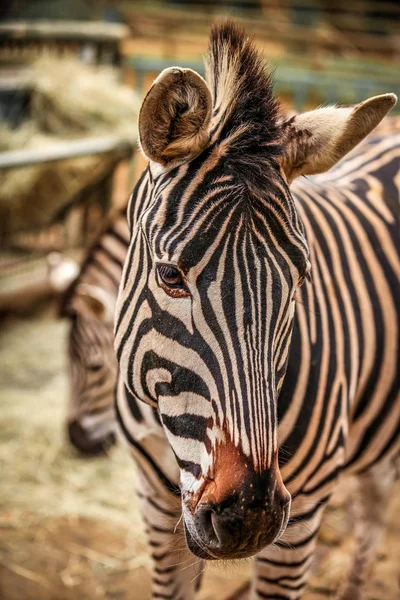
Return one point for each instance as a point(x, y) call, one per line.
point(175, 116)
point(315, 141)
point(94, 302)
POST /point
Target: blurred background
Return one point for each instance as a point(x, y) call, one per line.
point(72, 75)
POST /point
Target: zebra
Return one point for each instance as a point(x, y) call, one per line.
point(158, 472)
point(147, 436)
point(259, 326)
point(89, 304)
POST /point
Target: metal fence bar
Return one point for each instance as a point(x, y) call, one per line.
point(68, 149)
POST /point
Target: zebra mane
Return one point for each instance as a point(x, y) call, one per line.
point(246, 111)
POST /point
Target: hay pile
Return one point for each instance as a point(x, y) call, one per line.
point(69, 101)
point(66, 522)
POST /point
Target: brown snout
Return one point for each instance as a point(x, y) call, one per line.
point(238, 511)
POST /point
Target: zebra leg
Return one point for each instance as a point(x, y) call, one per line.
point(371, 506)
point(177, 572)
point(282, 570)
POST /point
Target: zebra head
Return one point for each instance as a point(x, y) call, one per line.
point(92, 366)
point(206, 303)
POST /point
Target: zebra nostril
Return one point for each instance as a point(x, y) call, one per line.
point(82, 442)
point(218, 525)
point(204, 520)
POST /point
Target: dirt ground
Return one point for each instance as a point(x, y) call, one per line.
point(70, 528)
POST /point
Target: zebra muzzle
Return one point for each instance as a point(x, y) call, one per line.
point(236, 518)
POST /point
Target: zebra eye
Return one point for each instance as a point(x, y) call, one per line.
point(170, 276)
point(172, 281)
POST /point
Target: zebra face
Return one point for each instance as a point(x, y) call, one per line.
point(210, 323)
point(206, 304)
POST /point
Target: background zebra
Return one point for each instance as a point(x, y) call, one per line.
point(206, 314)
point(89, 303)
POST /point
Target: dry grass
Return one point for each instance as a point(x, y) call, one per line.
point(40, 472)
point(65, 522)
